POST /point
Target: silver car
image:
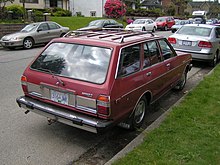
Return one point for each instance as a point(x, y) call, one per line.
point(201, 40)
point(35, 33)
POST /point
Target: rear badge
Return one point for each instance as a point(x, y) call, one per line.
point(87, 94)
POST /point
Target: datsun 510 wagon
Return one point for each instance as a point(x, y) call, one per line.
point(96, 80)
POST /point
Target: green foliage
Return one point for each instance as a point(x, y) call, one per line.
point(17, 9)
point(144, 12)
point(189, 135)
point(63, 13)
point(58, 12)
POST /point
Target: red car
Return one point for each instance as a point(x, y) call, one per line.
point(96, 80)
point(165, 23)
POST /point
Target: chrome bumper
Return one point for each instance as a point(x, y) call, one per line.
point(55, 113)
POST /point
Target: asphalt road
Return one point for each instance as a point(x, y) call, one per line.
point(27, 139)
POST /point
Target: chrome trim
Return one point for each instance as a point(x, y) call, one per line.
point(63, 115)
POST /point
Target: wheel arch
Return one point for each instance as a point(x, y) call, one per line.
point(147, 95)
point(29, 37)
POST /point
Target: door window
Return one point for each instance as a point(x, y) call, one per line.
point(43, 27)
point(167, 51)
point(53, 25)
point(151, 54)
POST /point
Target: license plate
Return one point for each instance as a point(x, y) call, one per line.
point(187, 43)
point(59, 97)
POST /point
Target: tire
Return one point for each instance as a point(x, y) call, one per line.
point(214, 60)
point(182, 82)
point(165, 28)
point(62, 34)
point(28, 43)
point(154, 29)
point(138, 115)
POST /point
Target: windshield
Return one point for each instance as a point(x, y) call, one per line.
point(160, 20)
point(29, 28)
point(82, 62)
point(139, 21)
point(194, 30)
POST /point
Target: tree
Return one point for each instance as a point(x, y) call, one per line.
point(115, 8)
point(2, 7)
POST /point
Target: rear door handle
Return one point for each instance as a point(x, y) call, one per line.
point(148, 73)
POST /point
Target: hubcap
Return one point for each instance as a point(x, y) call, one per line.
point(139, 112)
point(27, 44)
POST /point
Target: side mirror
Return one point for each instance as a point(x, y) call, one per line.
point(39, 29)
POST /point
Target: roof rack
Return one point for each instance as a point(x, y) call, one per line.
point(101, 34)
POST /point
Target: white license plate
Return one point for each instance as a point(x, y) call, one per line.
point(187, 43)
point(59, 97)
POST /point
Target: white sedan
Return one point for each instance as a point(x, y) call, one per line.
point(142, 25)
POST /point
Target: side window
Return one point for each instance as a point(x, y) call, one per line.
point(151, 54)
point(53, 25)
point(43, 27)
point(167, 51)
point(129, 60)
point(217, 32)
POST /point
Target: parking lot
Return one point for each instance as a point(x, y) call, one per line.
point(27, 139)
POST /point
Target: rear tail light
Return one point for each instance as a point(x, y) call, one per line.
point(103, 105)
point(205, 44)
point(24, 83)
point(172, 40)
point(23, 80)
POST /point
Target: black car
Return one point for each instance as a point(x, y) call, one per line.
point(102, 23)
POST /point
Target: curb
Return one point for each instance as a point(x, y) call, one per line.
point(140, 138)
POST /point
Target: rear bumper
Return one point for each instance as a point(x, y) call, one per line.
point(55, 113)
point(199, 56)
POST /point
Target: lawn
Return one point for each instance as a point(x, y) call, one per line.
point(189, 135)
point(76, 22)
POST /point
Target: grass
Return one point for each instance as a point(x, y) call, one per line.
point(189, 135)
point(76, 22)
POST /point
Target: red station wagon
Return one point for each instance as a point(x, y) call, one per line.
point(96, 80)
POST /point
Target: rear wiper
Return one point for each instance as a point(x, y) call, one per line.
point(59, 81)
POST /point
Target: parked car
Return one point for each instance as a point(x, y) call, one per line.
point(102, 23)
point(96, 80)
point(142, 25)
point(202, 41)
point(34, 33)
point(165, 23)
point(178, 24)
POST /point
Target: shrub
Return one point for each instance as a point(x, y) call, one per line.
point(17, 10)
point(115, 8)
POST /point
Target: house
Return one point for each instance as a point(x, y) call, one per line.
point(196, 6)
point(42, 4)
point(93, 8)
point(150, 4)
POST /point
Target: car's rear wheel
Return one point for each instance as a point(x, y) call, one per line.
point(182, 82)
point(215, 59)
point(138, 115)
point(165, 28)
point(28, 43)
point(154, 29)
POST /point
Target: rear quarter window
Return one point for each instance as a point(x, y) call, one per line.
point(129, 60)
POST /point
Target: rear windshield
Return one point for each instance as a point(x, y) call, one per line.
point(195, 30)
point(82, 62)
